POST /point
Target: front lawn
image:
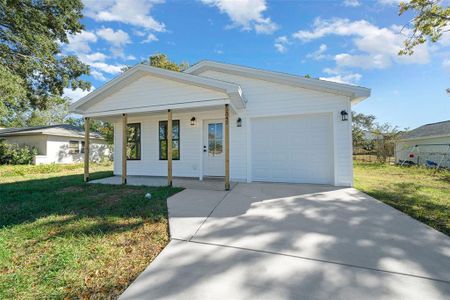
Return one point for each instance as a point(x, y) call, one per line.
point(422, 193)
point(61, 238)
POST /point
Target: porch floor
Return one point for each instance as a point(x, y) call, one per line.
point(214, 184)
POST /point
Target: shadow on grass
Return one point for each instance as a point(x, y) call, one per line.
point(410, 199)
point(27, 201)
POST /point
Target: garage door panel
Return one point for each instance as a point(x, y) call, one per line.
point(292, 149)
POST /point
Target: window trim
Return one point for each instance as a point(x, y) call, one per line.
point(140, 142)
point(73, 150)
point(179, 139)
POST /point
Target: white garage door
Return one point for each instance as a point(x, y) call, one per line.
point(292, 149)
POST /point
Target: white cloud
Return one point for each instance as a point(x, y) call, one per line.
point(319, 54)
point(445, 38)
point(107, 68)
point(133, 12)
point(246, 14)
point(79, 43)
point(446, 64)
point(93, 57)
point(117, 38)
point(98, 75)
point(391, 2)
point(76, 94)
point(150, 38)
point(281, 43)
point(377, 61)
point(378, 47)
point(352, 3)
point(351, 78)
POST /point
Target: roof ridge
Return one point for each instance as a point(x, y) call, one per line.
point(271, 71)
point(434, 123)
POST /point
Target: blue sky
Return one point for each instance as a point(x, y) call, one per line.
point(352, 41)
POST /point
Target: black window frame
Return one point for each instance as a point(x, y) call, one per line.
point(137, 141)
point(173, 139)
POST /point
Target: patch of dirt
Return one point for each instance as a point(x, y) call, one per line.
point(71, 189)
point(116, 196)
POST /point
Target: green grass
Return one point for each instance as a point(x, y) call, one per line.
point(422, 193)
point(61, 238)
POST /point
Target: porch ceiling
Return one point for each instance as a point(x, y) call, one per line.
point(115, 117)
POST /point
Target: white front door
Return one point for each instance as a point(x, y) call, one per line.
point(213, 148)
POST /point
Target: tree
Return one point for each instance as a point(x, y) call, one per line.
point(430, 21)
point(32, 67)
point(104, 128)
point(162, 61)
point(361, 125)
point(385, 143)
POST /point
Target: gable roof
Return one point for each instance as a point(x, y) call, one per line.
point(232, 90)
point(428, 130)
point(59, 130)
point(355, 93)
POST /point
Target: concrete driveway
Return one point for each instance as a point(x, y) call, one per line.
point(285, 241)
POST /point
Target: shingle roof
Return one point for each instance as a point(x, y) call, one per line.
point(60, 130)
point(428, 130)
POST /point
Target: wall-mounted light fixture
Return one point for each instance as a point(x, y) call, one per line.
point(193, 121)
point(239, 122)
point(344, 115)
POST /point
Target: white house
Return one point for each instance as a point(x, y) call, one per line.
point(236, 122)
point(57, 143)
point(426, 145)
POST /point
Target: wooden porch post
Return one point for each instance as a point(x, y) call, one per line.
point(227, 148)
point(86, 149)
point(169, 147)
point(124, 147)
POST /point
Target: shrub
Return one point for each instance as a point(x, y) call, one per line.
point(14, 154)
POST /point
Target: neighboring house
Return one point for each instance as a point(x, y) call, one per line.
point(57, 143)
point(282, 128)
point(428, 145)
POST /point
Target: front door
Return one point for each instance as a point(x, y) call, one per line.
point(213, 148)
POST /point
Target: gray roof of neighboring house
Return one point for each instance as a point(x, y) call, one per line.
point(428, 130)
point(59, 130)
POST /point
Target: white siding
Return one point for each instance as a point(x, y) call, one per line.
point(150, 90)
point(273, 99)
point(57, 150)
point(434, 152)
point(191, 146)
point(37, 141)
point(54, 149)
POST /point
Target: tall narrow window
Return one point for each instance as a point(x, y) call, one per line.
point(73, 147)
point(175, 140)
point(215, 139)
point(134, 141)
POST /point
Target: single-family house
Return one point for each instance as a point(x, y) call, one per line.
point(57, 143)
point(222, 120)
point(426, 145)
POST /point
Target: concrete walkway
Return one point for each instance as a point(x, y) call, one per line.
point(212, 184)
point(284, 241)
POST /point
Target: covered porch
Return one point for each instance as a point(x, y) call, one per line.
point(195, 110)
